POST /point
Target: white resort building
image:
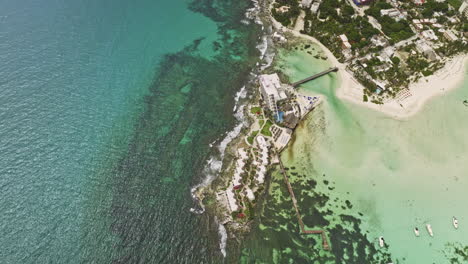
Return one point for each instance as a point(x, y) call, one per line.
point(231, 199)
point(263, 163)
point(450, 36)
point(270, 88)
point(236, 181)
point(464, 8)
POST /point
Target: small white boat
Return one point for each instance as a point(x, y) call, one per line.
point(429, 229)
point(381, 241)
point(416, 231)
point(455, 222)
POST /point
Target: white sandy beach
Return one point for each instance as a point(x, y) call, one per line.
point(444, 80)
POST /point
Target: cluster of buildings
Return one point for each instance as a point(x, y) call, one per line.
point(242, 184)
point(236, 182)
point(287, 107)
point(262, 162)
point(394, 13)
point(430, 34)
point(283, 101)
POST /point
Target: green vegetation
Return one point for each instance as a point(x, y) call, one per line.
point(358, 29)
point(250, 211)
point(374, 9)
point(328, 9)
point(453, 48)
point(417, 64)
point(455, 3)
point(395, 60)
point(250, 139)
point(255, 110)
point(288, 17)
point(266, 128)
point(432, 6)
point(397, 31)
point(261, 122)
point(396, 76)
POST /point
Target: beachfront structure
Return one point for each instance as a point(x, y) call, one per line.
point(249, 193)
point(464, 8)
point(263, 162)
point(281, 136)
point(394, 13)
point(315, 7)
point(429, 34)
point(270, 88)
point(388, 53)
point(237, 178)
point(424, 48)
point(419, 23)
point(344, 42)
point(378, 40)
point(306, 3)
point(231, 198)
point(450, 36)
point(381, 84)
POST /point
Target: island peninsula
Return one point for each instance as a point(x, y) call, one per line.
point(390, 56)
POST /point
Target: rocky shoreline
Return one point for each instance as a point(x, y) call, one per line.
point(238, 225)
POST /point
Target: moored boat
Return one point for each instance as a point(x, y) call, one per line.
point(455, 222)
point(416, 231)
point(429, 230)
point(381, 241)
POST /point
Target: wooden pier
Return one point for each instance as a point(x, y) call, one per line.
point(325, 244)
point(315, 76)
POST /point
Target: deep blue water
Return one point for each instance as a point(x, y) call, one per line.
point(85, 87)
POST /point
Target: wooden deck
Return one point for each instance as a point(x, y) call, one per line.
point(325, 244)
point(315, 76)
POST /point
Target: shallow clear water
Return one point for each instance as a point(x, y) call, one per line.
point(373, 176)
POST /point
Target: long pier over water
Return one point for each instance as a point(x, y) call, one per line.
point(325, 244)
point(315, 76)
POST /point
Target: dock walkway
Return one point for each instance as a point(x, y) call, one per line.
point(325, 244)
point(315, 76)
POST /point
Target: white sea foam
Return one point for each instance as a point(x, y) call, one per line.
point(215, 163)
point(245, 21)
point(222, 239)
point(229, 137)
point(210, 171)
point(239, 95)
point(263, 46)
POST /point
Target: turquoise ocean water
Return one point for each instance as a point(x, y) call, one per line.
point(107, 110)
